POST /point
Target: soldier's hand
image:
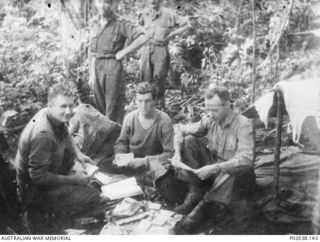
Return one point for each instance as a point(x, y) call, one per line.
point(83, 159)
point(137, 162)
point(207, 171)
point(80, 179)
point(176, 159)
point(120, 55)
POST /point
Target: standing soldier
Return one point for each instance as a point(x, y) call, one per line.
point(107, 39)
point(161, 24)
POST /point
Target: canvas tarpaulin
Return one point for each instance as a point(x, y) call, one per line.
point(299, 172)
point(94, 133)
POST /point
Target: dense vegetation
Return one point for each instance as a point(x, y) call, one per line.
point(44, 42)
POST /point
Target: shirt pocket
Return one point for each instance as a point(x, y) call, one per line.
point(116, 43)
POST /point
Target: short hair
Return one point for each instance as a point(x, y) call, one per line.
point(63, 89)
point(110, 1)
point(221, 91)
point(146, 87)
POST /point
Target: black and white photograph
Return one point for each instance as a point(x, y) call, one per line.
point(155, 117)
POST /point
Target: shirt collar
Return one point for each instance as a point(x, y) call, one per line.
point(155, 14)
point(59, 128)
point(110, 19)
point(228, 119)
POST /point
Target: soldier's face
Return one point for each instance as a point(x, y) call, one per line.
point(61, 108)
point(215, 108)
point(145, 103)
point(155, 4)
point(105, 7)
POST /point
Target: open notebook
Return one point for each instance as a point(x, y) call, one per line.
point(103, 177)
point(121, 189)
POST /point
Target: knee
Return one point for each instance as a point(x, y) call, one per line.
point(189, 141)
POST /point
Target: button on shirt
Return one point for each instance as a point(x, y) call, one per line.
point(231, 141)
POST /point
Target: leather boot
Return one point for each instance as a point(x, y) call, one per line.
point(192, 221)
point(194, 195)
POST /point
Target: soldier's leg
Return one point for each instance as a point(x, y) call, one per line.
point(99, 91)
point(160, 60)
point(80, 200)
point(115, 92)
point(195, 155)
point(145, 64)
point(214, 203)
point(221, 190)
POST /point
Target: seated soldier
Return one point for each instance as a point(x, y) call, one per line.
point(44, 159)
point(147, 133)
point(216, 166)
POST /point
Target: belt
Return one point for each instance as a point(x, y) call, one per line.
point(104, 56)
point(160, 44)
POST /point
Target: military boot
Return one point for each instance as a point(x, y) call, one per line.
point(192, 221)
point(194, 195)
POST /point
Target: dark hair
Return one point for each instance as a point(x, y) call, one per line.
point(110, 1)
point(146, 87)
point(221, 91)
point(63, 89)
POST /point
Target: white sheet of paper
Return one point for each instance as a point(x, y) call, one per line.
point(142, 227)
point(103, 178)
point(121, 189)
point(123, 159)
point(91, 169)
point(161, 217)
point(153, 206)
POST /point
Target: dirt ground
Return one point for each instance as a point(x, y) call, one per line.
point(243, 219)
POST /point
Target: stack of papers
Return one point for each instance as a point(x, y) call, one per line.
point(128, 207)
point(125, 188)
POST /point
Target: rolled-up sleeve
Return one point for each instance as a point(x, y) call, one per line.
point(131, 31)
point(243, 158)
point(40, 161)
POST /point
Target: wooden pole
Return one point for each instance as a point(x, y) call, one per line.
point(254, 75)
point(277, 145)
point(253, 51)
